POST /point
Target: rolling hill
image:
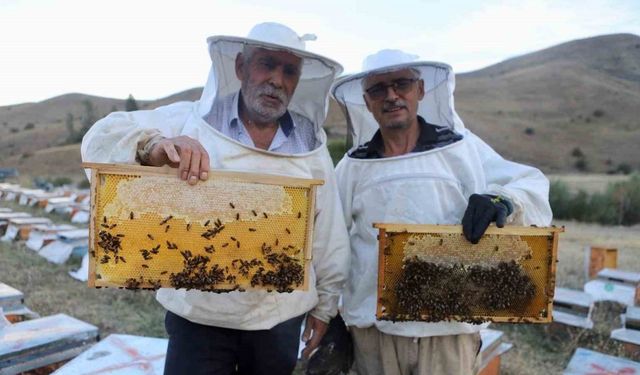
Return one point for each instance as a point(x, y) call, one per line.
point(537, 109)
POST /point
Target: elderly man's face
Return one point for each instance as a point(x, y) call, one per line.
point(392, 98)
point(269, 79)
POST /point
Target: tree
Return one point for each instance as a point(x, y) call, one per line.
point(89, 117)
point(71, 138)
point(87, 120)
point(130, 104)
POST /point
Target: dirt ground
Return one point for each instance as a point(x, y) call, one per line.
point(538, 349)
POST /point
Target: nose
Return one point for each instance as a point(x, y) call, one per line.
point(277, 77)
point(392, 95)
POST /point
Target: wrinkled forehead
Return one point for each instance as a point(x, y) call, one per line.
point(284, 57)
point(389, 76)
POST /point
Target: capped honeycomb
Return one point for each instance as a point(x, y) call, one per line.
point(432, 273)
point(235, 231)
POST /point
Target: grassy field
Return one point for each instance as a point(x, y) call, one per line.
point(49, 290)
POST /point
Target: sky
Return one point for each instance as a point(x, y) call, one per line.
point(152, 49)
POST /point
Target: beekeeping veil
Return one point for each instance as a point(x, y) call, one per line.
point(436, 107)
point(310, 98)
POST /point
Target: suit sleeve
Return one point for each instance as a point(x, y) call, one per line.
point(526, 187)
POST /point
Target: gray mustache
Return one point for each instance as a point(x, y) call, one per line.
point(271, 91)
point(397, 104)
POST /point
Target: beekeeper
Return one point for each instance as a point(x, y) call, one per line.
point(261, 110)
point(414, 162)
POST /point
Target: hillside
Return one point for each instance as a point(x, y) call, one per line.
point(583, 93)
point(536, 108)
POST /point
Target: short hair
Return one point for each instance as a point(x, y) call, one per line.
point(415, 71)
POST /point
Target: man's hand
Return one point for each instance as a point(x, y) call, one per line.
point(314, 330)
point(184, 153)
point(481, 211)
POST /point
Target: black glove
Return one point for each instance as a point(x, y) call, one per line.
point(481, 211)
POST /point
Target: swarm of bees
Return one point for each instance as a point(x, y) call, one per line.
point(276, 270)
point(439, 292)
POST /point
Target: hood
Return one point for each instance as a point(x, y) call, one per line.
point(437, 106)
point(310, 98)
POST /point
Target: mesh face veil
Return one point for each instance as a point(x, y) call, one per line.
point(437, 106)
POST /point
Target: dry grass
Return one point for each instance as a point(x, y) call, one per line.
point(48, 290)
point(541, 350)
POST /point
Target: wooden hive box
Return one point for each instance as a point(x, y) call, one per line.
point(235, 231)
point(38, 343)
point(12, 305)
point(598, 258)
point(123, 354)
point(432, 273)
point(20, 227)
point(588, 362)
point(491, 350)
point(573, 308)
point(10, 298)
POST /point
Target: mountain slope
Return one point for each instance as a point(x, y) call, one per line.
point(536, 108)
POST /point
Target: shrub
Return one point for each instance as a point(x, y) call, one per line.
point(625, 196)
point(14, 130)
point(581, 165)
point(337, 149)
point(529, 131)
point(559, 198)
point(60, 181)
point(577, 152)
point(598, 113)
point(618, 205)
point(29, 126)
point(27, 155)
point(84, 184)
point(624, 168)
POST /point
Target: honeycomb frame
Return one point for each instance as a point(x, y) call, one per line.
point(539, 264)
point(287, 224)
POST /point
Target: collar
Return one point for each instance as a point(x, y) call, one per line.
point(428, 135)
point(285, 121)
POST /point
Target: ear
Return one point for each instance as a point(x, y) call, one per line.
point(240, 66)
point(420, 89)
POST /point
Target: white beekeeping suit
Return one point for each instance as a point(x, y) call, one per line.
point(429, 187)
point(114, 140)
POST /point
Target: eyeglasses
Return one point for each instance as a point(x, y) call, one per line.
point(400, 86)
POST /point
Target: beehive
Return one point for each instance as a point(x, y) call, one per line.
point(432, 273)
point(235, 231)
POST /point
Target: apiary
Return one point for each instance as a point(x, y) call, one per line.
point(235, 231)
point(432, 273)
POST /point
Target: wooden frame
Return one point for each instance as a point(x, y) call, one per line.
point(553, 232)
point(99, 169)
point(599, 258)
